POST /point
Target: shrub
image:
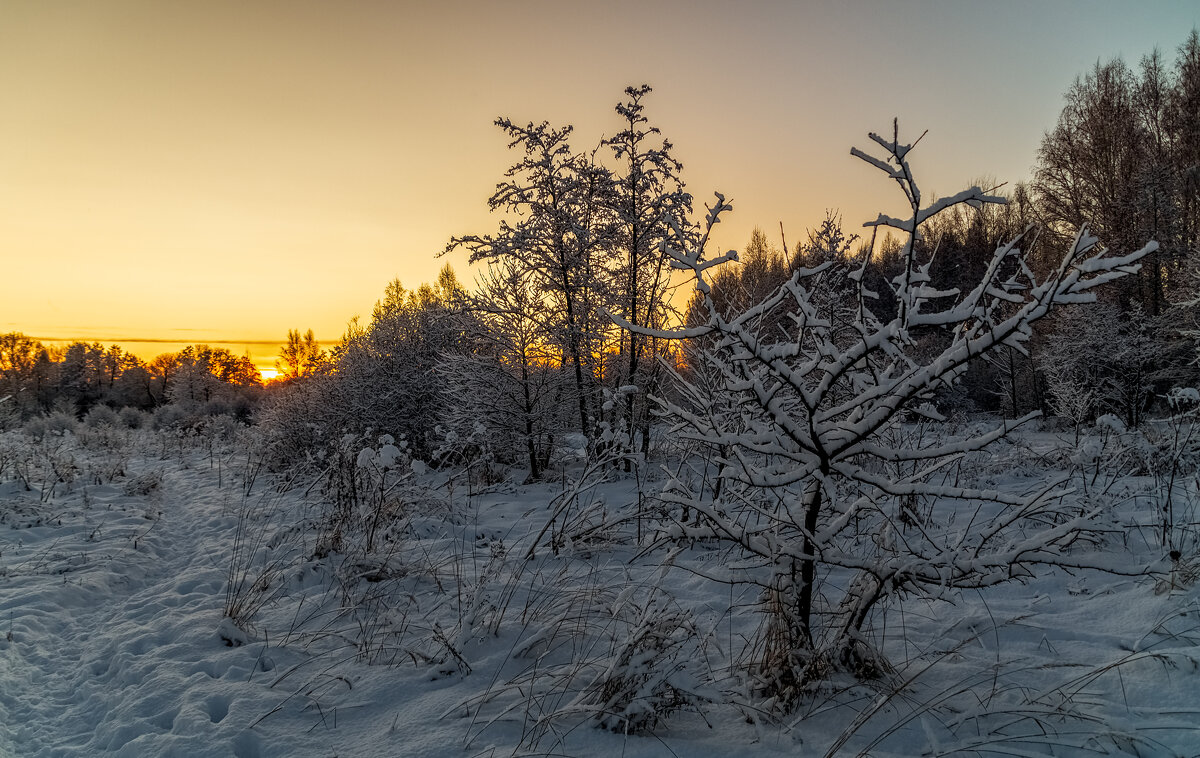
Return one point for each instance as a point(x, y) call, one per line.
point(132, 418)
point(100, 416)
point(56, 422)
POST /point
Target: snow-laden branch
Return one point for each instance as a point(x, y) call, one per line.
point(808, 403)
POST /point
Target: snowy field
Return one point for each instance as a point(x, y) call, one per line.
point(161, 594)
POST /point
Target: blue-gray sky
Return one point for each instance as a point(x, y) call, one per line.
point(231, 170)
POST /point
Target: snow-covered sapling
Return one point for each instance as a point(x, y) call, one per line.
point(811, 491)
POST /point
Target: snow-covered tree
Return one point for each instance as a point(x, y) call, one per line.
point(558, 202)
point(647, 196)
point(508, 394)
point(385, 373)
point(381, 377)
point(836, 503)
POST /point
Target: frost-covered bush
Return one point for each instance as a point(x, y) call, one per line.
point(173, 416)
point(836, 501)
point(57, 422)
point(475, 449)
point(10, 413)
point(46, 461)
point(1097, 361)
point(100, 416)
point(144, 484)
point(238, 407)
point(132, 418)
point(1170, 450)
point(650, 671)
point(219, 407)
point(363, 485)
point(220, 427)
point(300, 422)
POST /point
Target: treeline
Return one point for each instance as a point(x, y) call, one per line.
point(76, 378)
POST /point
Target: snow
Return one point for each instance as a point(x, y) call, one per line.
point(113, 639)
point(1182, 395)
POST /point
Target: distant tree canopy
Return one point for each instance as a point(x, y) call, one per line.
point(300, 356)
point(1124, 158)
point(83, 375)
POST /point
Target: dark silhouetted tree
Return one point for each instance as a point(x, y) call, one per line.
point(300, 357)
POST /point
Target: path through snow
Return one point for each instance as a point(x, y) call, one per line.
point(111, 610)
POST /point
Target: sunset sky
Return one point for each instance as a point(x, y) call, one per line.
point(222, 172)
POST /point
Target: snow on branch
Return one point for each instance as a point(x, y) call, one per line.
point(821, 417)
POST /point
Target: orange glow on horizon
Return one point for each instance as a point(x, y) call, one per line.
point(262, 353)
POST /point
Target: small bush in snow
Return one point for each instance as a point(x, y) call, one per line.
point(172, 416)
point(362, 484)
point(131, 418)
point(100, 416)
point(58, 422)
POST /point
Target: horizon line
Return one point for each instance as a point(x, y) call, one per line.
point(160, 340)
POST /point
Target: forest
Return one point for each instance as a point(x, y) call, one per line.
point(924, 486)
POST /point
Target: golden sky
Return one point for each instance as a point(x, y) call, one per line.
point(225, 171)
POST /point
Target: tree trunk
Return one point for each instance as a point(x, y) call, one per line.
point(535, 471)
point(808, 564)
point(574, 347)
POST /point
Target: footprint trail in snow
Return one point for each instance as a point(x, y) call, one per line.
point(110, 605)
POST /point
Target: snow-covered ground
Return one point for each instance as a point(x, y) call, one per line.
point(455, 634)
